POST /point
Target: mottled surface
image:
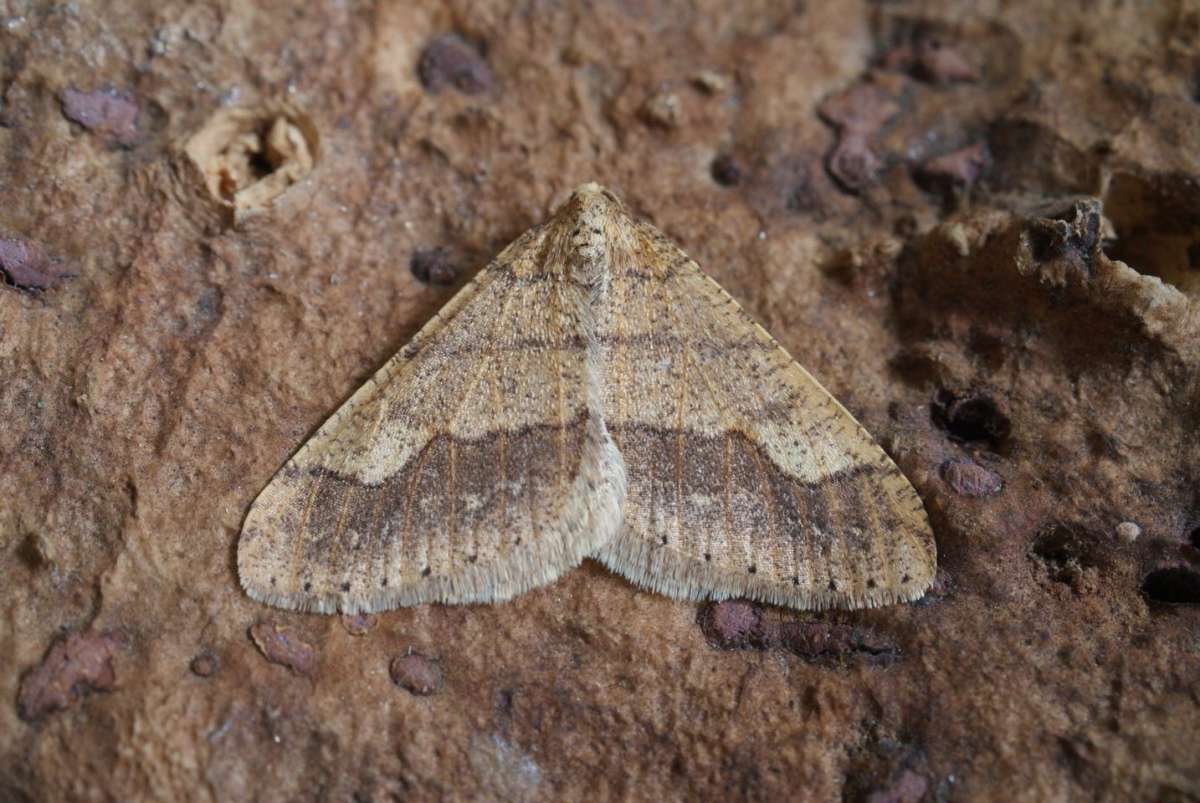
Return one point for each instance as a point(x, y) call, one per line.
point(1038, 319)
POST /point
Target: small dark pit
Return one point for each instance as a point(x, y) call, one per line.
point(437, 266)
point(1174, 585)
point(451, 61)
point(726, 170)
point(974, 418)
point(1071, 555)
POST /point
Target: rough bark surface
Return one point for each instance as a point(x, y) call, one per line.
point(977, 224)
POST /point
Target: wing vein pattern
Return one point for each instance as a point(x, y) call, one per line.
point(590, 393)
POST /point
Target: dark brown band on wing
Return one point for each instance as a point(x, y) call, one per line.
point(469, 498)
point(722, 495)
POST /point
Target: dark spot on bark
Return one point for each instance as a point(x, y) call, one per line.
point(272, 581)
point(954, 172)
point(108, 112)
point(1070, 555)
point(450, 60)
point(504, 703)
point(972, 419)
point(795, 581)
point(752, 569)
point(726, 170)
point(282, 646)
point(832, 585)
point(968, 478)
point(307, 586)
point(1175, 585)
point(358, 624)
point(418, 674)
point(25, 267)
point(908, 788)
point(870, 582)
point(937, 63)
point(345, 586)
point(824, 642)
point(732, 624)
point(1194, 537)
point(1063, 543)
point(472, 558)
point(857, 113)
point(436, 266)
point(740, 624)
point(426, 571)
point(853, 164)
point(802, 197)
point(204, 665)
point(74, 666)
point(707, 556)
point(905, 579)
point(664, 540)
point(32, 551)
point(517, 542)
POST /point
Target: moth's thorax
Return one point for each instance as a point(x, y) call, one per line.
point(586, 223)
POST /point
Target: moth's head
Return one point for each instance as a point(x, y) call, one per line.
point(592, 197)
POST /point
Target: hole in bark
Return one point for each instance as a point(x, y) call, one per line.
point(1174, 585)
point(249, 156)
point(33, 552)
point(438, 265)
point(1061, 544)
point(1070, 556)
point(726, 171)
point(972, 419)
point(1157, 223)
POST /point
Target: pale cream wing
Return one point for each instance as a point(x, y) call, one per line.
point(745, 477)
point(473, 466)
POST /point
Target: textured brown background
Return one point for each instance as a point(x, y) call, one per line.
point(957, 287)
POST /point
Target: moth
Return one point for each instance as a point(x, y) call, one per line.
point(591, 393)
